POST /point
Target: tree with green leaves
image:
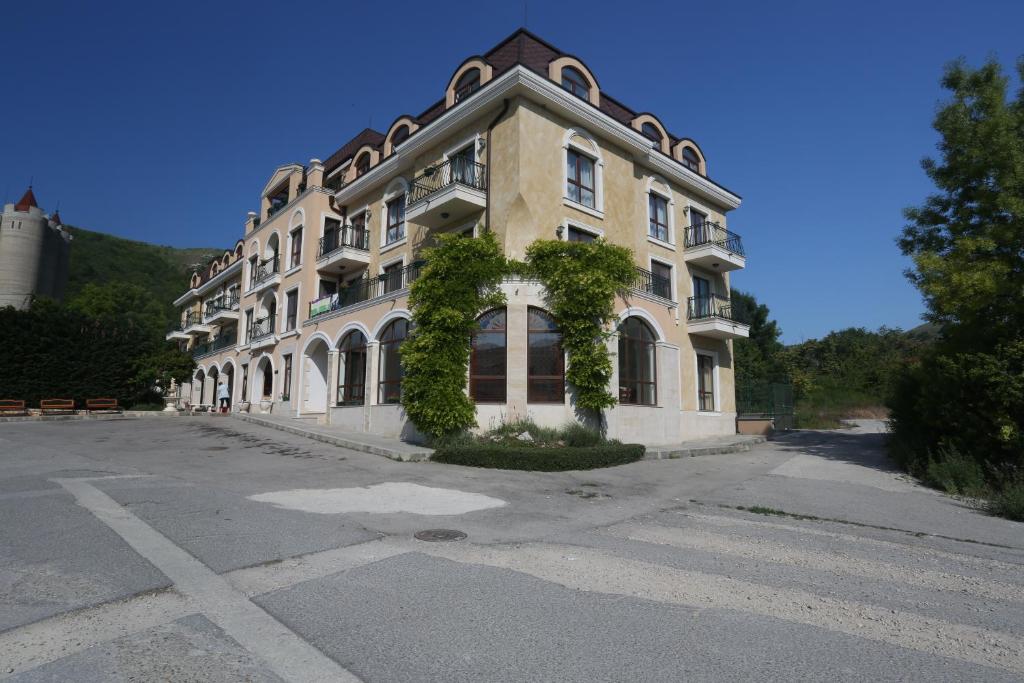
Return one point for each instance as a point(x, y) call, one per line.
point(966, 396)
point(967, 240)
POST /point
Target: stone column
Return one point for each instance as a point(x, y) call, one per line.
point(333, 359)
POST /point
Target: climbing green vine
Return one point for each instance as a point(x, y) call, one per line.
point(581, 280)
point(459, 282)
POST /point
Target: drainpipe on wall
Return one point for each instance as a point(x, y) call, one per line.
point(487, 192)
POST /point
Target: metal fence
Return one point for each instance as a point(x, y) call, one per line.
point(766, 400)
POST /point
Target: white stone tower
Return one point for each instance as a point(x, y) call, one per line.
point(34, 253)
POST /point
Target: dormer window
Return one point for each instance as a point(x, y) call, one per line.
point(277, 200)
point(401, 135)
point(363, 164)
point(574, 82)
point(467, 84)
point(651, 132)
point(691, 160)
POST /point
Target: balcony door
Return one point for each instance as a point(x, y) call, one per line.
point(701, 297)
point(463, 164)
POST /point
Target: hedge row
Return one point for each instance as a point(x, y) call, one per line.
point(536, 459)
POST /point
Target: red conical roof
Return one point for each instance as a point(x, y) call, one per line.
point(27, 201)
point(56, 218)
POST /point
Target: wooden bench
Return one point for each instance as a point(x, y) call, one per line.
point(104, 404)
point(56, 405)
point(8, 406)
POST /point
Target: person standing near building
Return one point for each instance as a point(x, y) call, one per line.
point(223, 396)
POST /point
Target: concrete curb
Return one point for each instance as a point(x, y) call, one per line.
point(743, 445)
point(405, 454)
point(128, 414)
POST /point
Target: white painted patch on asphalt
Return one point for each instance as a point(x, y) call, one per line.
point(381, 498)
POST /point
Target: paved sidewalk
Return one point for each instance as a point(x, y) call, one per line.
point(715, 445)
point(396, 449)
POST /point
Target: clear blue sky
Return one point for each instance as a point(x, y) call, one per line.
point(162, 121)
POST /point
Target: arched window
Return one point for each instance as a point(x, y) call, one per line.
point(467, 84)
point(637, 365)
point(575, 82)
point(649, 130)
point(362, 164)
point(400, 135)
point(352, 370)
point(691, 160)
point(390, 377)
point(488, 360)
point(545, 362)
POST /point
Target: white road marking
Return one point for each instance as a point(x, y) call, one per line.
point(763, 550)
point(381, 498)
point(284, 652)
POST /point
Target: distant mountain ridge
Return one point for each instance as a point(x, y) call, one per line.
point(163, 271)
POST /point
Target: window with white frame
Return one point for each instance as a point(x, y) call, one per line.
point(395, 229)
point(661, 279)
point(657, 211)
point(292, 310)
point(580, 185)
point(705, 382)
point(575, 233)
point(296, 251)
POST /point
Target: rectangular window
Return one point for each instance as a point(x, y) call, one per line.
point(332, 233)
point(292, 311)
point(574, 234)
point(252, 271)
point(579, 172)
point(661, 280)
point(699, 228)
point(296, 247)
point(245, 381)
point(286, 387)
point(657, 209)
point(705, 382)
point(248, 325)
point(396, 219)
point(392, 277)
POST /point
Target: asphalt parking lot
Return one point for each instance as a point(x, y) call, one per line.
point(209, 549)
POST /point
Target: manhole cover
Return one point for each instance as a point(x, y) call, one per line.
point(435, 535)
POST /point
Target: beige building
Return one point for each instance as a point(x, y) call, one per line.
point(305, 315)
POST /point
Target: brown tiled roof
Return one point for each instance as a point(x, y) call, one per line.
point(523, 48)
point(27, 201)
point(368, 136)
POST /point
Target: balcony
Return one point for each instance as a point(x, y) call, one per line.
point(194, 324)
point(266, 274)
point(381, 287)
point(713, 316)
point(711, 246)
point(261, 333)
point(224, 341)
point(343, 249)
point(177, 332)
point(222, 310)
point(447, 192)
point(655, 285)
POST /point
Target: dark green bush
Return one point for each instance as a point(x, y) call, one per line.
point(955, 473)
point(1009, 500)
point(576, 435)
point(534, 458)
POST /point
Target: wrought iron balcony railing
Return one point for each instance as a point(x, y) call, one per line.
point(348, 236)
point(713, 306)
point(265, 270)
point(366, 290)
point(216, 344)
point(228, 303)
point(335, 182)
point(455, 171)
point(191, 318)
point(262, 328)
point(712, 233)
point(648, 282)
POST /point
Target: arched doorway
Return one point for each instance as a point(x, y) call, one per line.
point(199, 387)
point(314, 377)
point(229, 380)
point(263, 381)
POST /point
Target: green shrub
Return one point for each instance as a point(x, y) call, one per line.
point(576, 435)
point(508, 432)
point(1009, 500)
point(955, 473)
point(538, 459)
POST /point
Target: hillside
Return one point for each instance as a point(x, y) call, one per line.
point(163, 271)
